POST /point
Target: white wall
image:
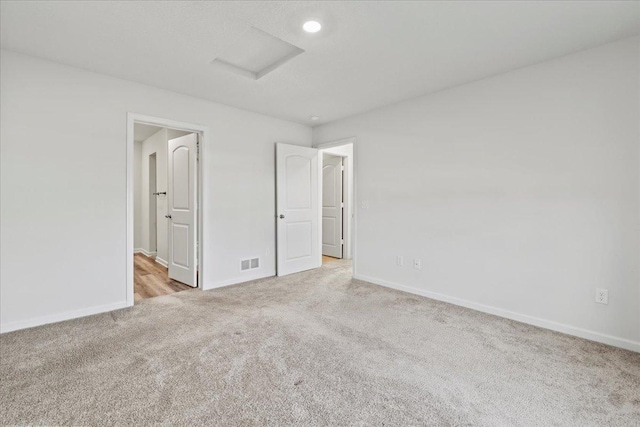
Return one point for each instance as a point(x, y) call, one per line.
point(519, 193)
point(155, 144)
point(137, 195)
point(63, 138)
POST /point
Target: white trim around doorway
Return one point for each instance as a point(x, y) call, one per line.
point(133, 118)
point(354, 209)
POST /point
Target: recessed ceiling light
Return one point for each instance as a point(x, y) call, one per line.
point(312, 26)
point(314, 118)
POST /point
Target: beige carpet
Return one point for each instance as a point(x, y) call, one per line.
point(316, 348)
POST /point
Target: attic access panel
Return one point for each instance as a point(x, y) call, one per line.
point(256, 54)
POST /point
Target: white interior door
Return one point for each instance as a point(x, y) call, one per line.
point(181, 197)
point(298, 189)
point(332, 205)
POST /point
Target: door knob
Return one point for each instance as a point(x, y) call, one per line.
point(168, 216)
point(281, 216)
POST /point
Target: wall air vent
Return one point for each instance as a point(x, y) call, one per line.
point(256, 54)
point(249, 264)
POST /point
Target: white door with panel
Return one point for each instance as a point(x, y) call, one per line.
point(182, 200)
point(332, 205)
point(298, 191)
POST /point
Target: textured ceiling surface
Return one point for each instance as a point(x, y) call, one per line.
point(368, 54)
point(142, 131)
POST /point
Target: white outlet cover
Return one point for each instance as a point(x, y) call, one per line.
point(416, 264)
point(602, 296)
point(400, 261)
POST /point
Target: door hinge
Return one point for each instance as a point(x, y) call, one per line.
point(198, 149)
point(342, 241)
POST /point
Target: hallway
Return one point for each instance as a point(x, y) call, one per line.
point(151, 279)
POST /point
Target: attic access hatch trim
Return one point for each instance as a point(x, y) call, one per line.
point(267, 51)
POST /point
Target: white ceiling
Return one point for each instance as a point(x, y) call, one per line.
point(367, 55)
point(142, 131)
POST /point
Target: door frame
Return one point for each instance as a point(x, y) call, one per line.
point(133, 118)
point(353, 228)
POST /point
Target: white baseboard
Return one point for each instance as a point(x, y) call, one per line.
point(162, 262)
point(144, 252)
point(237, 280)
point(38, 321)
point(531, 320)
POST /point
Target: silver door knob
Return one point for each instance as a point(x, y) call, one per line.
point(281, 216)
point(168, 216)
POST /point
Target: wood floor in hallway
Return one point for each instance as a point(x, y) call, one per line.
point(152, 279)
point(326, 259)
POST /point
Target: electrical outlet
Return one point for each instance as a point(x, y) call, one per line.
point(400, 261)
point(416, 264)
point(364, 204)
point(602, 296)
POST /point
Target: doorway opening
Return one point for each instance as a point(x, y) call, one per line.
point(337, 201)
point(164, 218)
point(315, 217)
